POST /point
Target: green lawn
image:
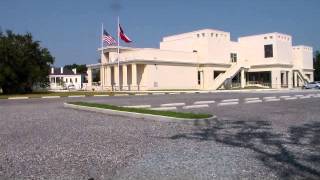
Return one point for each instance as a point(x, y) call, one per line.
point(184, 115)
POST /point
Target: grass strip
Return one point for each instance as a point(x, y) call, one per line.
point(184, 115)
point(62, 94)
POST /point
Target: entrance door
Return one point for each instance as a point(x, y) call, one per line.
point(200, 79)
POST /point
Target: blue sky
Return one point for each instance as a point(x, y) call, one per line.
point(71, 29)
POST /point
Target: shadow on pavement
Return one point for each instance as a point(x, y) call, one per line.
point(292, 155)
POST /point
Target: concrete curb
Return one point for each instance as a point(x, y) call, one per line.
point(144, 93)
point(205, 121)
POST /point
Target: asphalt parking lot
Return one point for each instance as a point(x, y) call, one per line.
point(263, 139)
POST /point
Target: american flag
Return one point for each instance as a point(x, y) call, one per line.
point(108, 39)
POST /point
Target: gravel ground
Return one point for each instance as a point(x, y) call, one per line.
point(39, 139)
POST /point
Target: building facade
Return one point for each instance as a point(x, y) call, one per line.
point(208, 60)
point(62, 78)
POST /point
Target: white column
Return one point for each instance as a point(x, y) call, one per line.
point(101, 76)
point(108, 77)
point(124, 77)
point(295, 74)
point(276, 79)
point(134, 83)
point(116, 77)
point(290, 83)
point(243, 80)
point(89, 72)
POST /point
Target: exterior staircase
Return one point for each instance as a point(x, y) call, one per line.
point(302, 76)
point(230, 73)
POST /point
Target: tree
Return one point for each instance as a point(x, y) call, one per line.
point(81, 68)
point(316, 66)
point(23, 63)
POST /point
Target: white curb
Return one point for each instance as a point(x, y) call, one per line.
point(16, 98)
point(204, 121)
point(50, 97)
point(75, 96)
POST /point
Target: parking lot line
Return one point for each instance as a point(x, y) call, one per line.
point(139, 106)
point(285, 96)
point(229, 100)
point(164, 108)
point(299, 95)
point(249, 99)
point(228, 103)
point(271, 99)
point(172, 104)
point(305, 97)
point(195, 106)
point(204, 102)
point(290, 98)
point(253, 101)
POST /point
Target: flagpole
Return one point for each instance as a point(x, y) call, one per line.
point(101, 38)
point(118, 52)
point(101, 55)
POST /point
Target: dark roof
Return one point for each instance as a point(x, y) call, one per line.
point(57, 71)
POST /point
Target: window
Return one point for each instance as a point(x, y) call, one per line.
point(71, 80)
point(233, 57)
point(211, 34)
point(199, 77)
point(203, 34)
point(66, 79)
point(75, 80)
point(198, 35)
point(268, 51)
point(271, 37)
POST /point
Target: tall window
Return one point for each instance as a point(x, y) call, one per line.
point(268, 51)
point(199, 77)
point(233, 57)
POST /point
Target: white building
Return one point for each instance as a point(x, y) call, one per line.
point(207, 59)
point(62, 78)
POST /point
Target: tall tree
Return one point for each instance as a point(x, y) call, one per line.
point(23, 63)
point(316, 66)
point(81, 68)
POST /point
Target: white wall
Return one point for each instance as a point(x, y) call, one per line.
point(252, 48)
point(171, 77)
point(303, 57)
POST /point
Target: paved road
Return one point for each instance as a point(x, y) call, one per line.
point(39, 139)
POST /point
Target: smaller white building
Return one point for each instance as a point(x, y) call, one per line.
point(62, 78)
